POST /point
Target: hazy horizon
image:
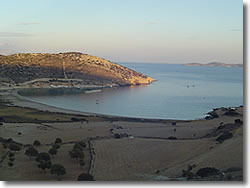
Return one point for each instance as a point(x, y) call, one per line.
point(148, 31)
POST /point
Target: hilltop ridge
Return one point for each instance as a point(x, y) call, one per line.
point(73, 66)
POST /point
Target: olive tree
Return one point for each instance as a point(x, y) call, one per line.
point(52, 151)
point(14, 147)
point(31, 152)
point(57, 169)
point(85, 177)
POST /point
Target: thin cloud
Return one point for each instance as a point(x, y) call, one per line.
point(153, 23)
point(29, 23)
point(235, 30)
point(14, 34)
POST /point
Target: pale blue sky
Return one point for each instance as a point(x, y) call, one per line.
point(165, 31)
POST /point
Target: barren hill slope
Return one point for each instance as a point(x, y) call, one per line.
point(24, 67)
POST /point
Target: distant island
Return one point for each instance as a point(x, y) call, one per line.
point(214, 64)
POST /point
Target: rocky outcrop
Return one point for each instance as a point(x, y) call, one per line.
point(25, 67)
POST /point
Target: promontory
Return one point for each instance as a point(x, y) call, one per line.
point(68, 69)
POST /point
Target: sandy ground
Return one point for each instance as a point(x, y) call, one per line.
point(145, 153)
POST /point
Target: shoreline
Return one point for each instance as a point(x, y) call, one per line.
point(25, 101)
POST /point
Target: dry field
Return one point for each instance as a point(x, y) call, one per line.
point(139, 159)
point(223, 156)
point(182, 130)
point(27, 170)
point(46, 133)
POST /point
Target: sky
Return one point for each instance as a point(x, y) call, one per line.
point(155, 31)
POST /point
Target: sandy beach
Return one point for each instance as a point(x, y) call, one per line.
point(119, 148)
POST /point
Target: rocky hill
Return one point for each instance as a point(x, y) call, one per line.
point(24, 67)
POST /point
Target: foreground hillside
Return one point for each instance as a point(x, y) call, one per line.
point(73, 66)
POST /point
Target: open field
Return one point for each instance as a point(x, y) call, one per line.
point(182, 130)
point(139, 159)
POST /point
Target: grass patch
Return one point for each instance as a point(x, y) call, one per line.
point(12, 114)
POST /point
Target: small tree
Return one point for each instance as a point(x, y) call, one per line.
point(56, 146)
point(11, 154)
point(81, 162)
point(14, 147)
point(44, 165)
point(10, 164)
point(53, 151)
point(207, 171)
point(85, 177)
point(76, 154)
point(31, 152)
point(12, 159)
point(36, 143)
point(58, 141)
point(43, 156)
point(77, 145)
point(58, 170)
point(82, 144)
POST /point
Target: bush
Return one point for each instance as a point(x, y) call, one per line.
point(52, 151)
point(224, 136)
point(14, 147)
point(81, 162)
point(238, 121)
point(11, 154)
point(76, 154)
point(31, 152)
point(82, 144)
point(44, 165)
point(77, 146)
point(85, 177)
point(58, 170)
point(117, 136)
point(56, 146)
point(12, 159)
point(10, 164)
point(208, 171)
point(172, 138)
point(58, 141)
point(43, 156)
point(36, 143)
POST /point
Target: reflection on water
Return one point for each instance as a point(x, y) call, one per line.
point(180, 92)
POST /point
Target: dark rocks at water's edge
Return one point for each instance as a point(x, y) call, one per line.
point(215, 113)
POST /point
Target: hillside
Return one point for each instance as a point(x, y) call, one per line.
point(214, 64)
point(87, 69)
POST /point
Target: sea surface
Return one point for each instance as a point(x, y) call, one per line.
point(180, 92)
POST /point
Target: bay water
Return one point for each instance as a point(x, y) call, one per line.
point(180, 92)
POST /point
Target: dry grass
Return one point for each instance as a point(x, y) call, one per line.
point(27, 170)
point(136, 159)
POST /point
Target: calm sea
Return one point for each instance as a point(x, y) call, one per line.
point(181, 92)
